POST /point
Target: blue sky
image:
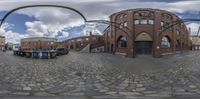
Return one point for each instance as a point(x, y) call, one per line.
point(64, 24)
point(18, 20)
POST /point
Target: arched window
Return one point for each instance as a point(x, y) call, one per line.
point(161, 23)
point(143, 21)
point(122, 42)
point(121, 16)
point(144, 14)
point(137, 21)
point(177, 32)
point(165, 43)
point(136, 14)
point(125, 24)
point(125, 16)
point(166, 16)
point(151, 21)
point(121, 25)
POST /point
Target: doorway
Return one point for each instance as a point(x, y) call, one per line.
point(143, 47)
point(143, 44)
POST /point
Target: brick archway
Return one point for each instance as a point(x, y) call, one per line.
point(143, 43)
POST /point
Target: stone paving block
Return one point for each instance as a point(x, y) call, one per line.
point(3, 92)
point(27, 88)
point(141, 89)
point(192, 86)
point(49, 75)
point(111, 92)
point(103, 90)
point(139, 85)
point(43, 94)
point(130, 93)
point(77, 94)
point(184, 93)
point(149, 92)
point(165, 94)
point(21, 93)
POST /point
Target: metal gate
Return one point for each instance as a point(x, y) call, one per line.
point(143, 47)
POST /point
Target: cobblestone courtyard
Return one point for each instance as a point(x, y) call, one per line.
point(101, 76)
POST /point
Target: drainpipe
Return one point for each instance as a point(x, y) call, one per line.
point(90, 41)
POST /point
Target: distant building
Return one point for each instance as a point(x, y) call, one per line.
point(94, 42)
point(38, 43)
point(9, 46)
point(2, 42)
point(60, 44)
point(195, 42)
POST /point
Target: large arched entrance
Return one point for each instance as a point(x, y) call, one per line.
point(143, 44)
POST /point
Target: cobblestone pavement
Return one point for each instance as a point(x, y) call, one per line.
point(101, 76)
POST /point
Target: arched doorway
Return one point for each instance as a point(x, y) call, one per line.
point(122, 42)
point(143, 44)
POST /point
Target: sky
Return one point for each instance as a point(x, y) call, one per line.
point(64, 24)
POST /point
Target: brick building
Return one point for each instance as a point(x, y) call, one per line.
point(2, 42)
point(38, 43)
point(94, 42)
point(195, 40)
point(143, 31)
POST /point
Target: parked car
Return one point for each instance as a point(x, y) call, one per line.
point(62, 51)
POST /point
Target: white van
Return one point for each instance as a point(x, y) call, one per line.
point(16, 47)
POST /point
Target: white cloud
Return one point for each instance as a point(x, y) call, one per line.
point(194, 28)
point(183, 6)
point(11, 36)
point(36, 28)
point(65, 34)
point(50, 21)
point(93, 28)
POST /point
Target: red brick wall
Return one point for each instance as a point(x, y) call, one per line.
point(154, 30)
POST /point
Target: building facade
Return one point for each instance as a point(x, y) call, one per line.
point(9, 46)
point(195, 40)
point(2, 42)
point(145, 31)
point(94, 42)
point(38, 43)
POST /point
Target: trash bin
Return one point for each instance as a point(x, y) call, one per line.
point(52, 54)
point(35, 54)
point(45, 55)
